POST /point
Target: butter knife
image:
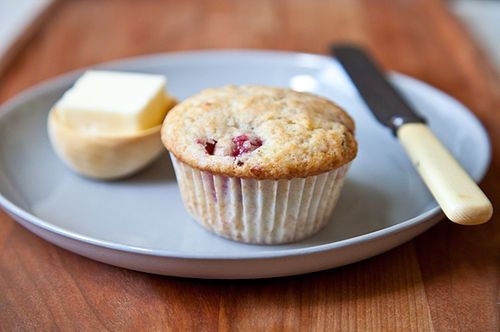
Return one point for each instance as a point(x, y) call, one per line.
point(460, 198)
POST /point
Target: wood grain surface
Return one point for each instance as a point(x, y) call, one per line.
point(445, 280)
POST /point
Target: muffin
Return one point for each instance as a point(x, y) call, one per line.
point(259, 164)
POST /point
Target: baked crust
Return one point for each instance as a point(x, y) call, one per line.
point(288, 134)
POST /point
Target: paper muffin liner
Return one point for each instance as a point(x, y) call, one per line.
point(259, 211)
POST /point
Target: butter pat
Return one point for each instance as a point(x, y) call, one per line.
point(107, 102)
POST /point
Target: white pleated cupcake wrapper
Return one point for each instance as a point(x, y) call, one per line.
point(259, 211)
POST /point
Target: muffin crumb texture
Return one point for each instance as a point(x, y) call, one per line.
point(259, 132)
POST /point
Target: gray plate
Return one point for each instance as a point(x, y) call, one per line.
point(140, 223)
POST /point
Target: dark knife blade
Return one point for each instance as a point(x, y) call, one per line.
point(386, 103)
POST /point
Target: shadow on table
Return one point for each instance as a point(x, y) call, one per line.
point(390, 273)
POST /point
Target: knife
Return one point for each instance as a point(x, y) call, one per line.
point(460, 198)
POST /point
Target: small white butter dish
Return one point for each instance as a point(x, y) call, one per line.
point(107, 126)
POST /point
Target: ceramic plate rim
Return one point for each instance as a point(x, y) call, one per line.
point(47, 85)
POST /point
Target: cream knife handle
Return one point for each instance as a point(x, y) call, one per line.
point(460, 198)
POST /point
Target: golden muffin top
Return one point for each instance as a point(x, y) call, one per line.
point(259, 132)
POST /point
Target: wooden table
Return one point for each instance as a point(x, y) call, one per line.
point(446, 279)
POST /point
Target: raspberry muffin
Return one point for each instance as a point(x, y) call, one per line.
point(259, 164)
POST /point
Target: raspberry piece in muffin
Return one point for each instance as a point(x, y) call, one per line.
point(208, 144)
point(245, 144)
